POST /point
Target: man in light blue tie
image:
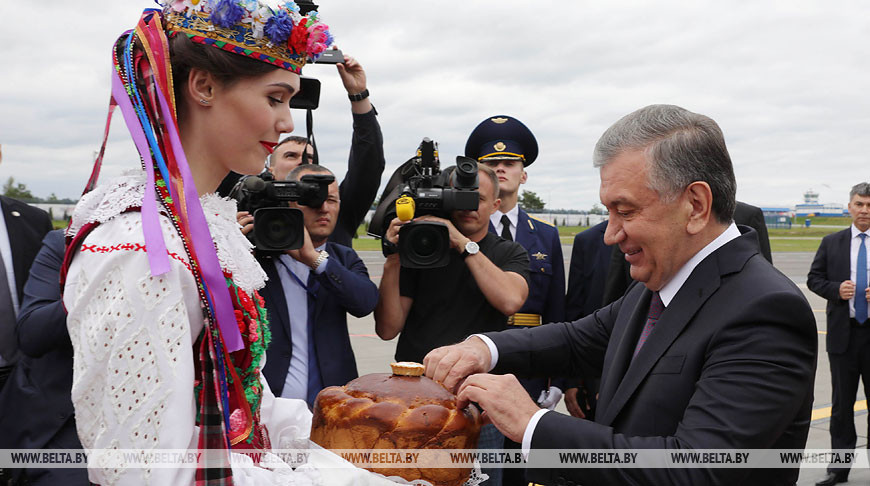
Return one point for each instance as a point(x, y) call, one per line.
point(839, 274)
point(308, 295)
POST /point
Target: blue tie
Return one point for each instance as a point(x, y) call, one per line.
point(861, 282)
point(315, 383)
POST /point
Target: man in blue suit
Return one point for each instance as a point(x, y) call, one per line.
point(507, 146)
point(308, 295)
point(41, 381)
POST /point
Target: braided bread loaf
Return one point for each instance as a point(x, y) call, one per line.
point(384, 411)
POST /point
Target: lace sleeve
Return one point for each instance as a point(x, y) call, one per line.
point(132, 336)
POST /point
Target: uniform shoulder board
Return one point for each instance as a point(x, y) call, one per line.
point(542, 221)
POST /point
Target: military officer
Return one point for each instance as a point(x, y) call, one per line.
point(507, 146)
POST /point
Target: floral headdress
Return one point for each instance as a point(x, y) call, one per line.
point(277, 35)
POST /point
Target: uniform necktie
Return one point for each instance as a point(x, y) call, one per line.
point(861, 282)
point(8, 342)
point(506, 228)
point(656, 306)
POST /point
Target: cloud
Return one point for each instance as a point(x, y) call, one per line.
point(786, 81)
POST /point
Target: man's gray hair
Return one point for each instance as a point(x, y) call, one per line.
point(682, 147)
point(860, 189)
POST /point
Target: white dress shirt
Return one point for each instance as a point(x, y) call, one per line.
point(854, 245)
point(513, 215)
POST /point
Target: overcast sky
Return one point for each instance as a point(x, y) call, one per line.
point(787, 82)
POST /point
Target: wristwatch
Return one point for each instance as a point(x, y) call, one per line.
point(471, 248)
point(321, 257)
point(359, 96)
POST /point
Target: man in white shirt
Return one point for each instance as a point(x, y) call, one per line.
point(839, 274)
point(712, 349)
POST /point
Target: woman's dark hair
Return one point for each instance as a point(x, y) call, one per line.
point(225, 66)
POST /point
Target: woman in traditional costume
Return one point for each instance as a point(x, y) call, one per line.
point(161, 287)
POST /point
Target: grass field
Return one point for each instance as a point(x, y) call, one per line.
point(796, 239)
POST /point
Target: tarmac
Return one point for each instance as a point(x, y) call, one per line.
point(373, 355)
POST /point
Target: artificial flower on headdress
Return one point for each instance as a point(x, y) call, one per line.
point(319, 39)
point(188, 5)
point(279, 27)
point(227, 13)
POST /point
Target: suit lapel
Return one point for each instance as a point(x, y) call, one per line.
point(702, 283)
point(275, 301)
point(320, 292)
point(618, 357)
point(16, 230)
point(844, 257)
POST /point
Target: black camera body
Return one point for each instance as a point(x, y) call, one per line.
point(278, 227)
point(426, 190)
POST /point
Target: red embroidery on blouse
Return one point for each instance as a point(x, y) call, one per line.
point(129, 247)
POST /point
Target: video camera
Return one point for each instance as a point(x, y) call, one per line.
point(278, 227)
point(420, 188)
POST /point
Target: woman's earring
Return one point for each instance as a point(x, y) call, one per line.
point(204, 102)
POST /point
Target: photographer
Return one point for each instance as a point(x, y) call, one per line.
point(485, 281)
point(308, 294)
point(365, 162)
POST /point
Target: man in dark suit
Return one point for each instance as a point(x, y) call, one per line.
point(619, 278)
point(712, 349)
point(590, 261)
point(42, 379)
point(839, 274)
point(23, 228)
point(308, 295)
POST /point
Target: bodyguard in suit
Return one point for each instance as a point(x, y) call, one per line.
point(839, 274)
point(713, 348)
point(508, 147)
point(21, 233)
point(590, 261)
point(308, 295)
point(36, 411)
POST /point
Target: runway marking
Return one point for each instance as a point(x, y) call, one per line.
point(364, 335)
point(825, 412)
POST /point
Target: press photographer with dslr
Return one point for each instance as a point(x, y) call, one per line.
point(308, 294)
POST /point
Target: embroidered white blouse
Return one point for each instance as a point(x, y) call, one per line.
point(133, 336)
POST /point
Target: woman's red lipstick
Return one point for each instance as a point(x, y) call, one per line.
point(270, 146)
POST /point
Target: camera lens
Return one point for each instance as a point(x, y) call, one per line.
point(424, 244)
point(278, 229)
